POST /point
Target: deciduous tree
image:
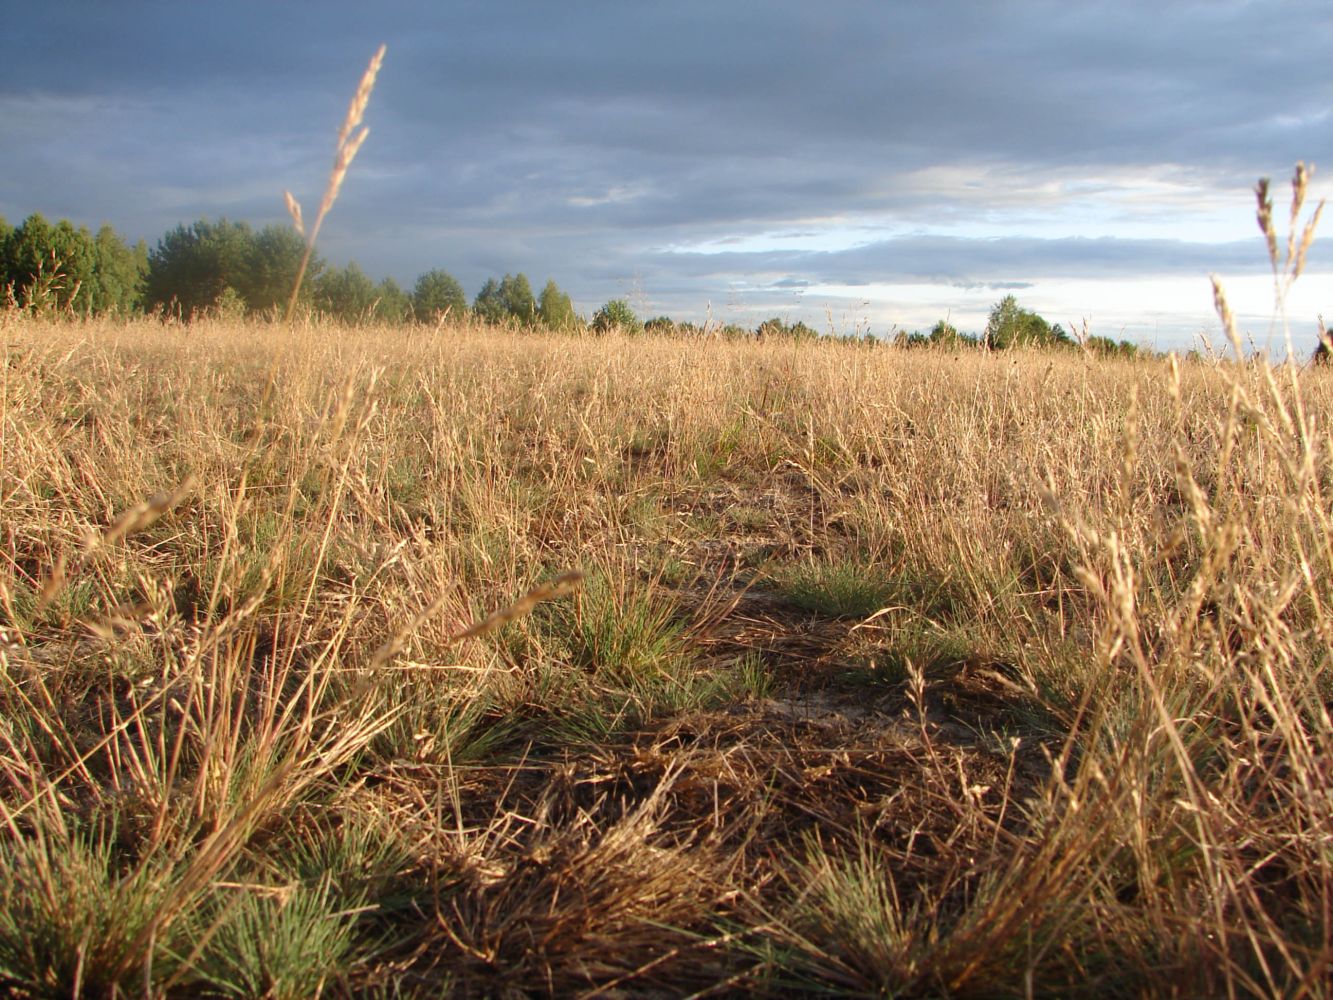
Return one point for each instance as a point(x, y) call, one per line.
point(516, 295)
point(616, 315)
point(437, 293)
point(392, 304)
point(120, 271)
point(191, 265)
point(1010, 325)
point(489, 305)
point(555, 309)
point(346, 294)
point(272, 262)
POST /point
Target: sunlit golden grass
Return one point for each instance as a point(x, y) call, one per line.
point(257, 668)
point(404, 662)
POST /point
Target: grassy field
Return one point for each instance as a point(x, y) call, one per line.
point(856, 671)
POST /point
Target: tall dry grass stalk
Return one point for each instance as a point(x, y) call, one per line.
point(349, 142)
point(1285, 269)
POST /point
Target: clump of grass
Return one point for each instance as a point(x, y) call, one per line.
point(279, 941)
point(752, 677)
point(73, 916)
point(610, 660)
point(836, 588)
point(620, 629)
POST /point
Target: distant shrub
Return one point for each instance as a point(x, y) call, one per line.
point(228, 306)
point(1009, 325)
point(616, 315)
point(1106, 347)
point(775, 327)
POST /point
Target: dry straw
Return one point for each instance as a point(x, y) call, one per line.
point(565, 583)
point(1285, 269)
point(1285, 272)
point(350, 137)
point(136, 518)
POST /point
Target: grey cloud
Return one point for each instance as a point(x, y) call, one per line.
point(576, 141)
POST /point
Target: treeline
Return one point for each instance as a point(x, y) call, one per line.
point(1009, 325)
point(71, 270)
point(230, 269)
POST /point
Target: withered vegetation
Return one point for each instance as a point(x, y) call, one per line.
point(841, 668)
point(412, 662)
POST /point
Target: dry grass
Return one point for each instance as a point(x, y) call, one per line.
point(350, 137)
point(1081, 747)
point(836, 669)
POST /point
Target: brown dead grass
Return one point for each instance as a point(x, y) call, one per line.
point(1081, 748)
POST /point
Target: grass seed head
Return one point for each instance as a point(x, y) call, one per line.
point(345, 151)
point(1265, 218)
point(294, 210)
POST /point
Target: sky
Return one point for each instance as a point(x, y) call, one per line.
point(861, 166)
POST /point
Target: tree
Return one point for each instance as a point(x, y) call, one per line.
point(392, 304)
point(1106, 347)
point(776, 327)
point(510, 298)
point(24, 247)
point(554, 308)
point(1010, 325)
point(436, 295)
point(272, 262)
point(25, 256)
point(945, 334)
point(50, 267)
point(67, 268)
point(488, 305)
point(661, 325)
point(616, 315)
point(346, 294)
point(120, 272)
point(910, 340)
point(516, 295)
point(1322, 354)
point(191, 266)
point(7, 290)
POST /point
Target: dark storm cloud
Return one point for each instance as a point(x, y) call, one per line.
point(583, 141)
